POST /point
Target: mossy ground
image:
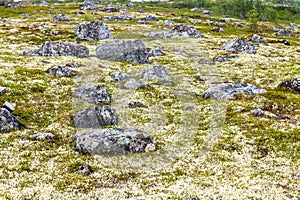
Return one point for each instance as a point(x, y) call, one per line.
point(255, 158)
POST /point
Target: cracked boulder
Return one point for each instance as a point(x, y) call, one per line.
point(226, 91)
point(112, 141)
point(93, 31)
point(93, 93)
point(95, 117)
point(123, 50)
point(50, 48)
point(8, 121)
point(239, 45)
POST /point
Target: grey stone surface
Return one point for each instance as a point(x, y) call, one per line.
point(169, 23)
point(155, 52)
point(95, 117)
point(123, 50)
point(43, 136)
point(3, 90)
point(93, 93)
point(285, 32)
point(156, 72)
point(258, 39)
point(150, 18)
point(117, 18)
point(292, 84)
point(109, 9)
point(136, 105)
point(61, 71)
point(88, 5)
point(239, 45)
point(61, 18)
point(9, 106)
point(133, 84)
point(225, 91)
point(257, 112)
point(93, 31)
point(217, 24)
point(8, 122)
point(119, 76)
point(50, 48)
point(84, 169)
point(112, 141)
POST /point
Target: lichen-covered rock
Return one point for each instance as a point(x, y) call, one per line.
point(133, 84)
point(50, 48)
point(225, 91)
point(93, 31)
point(156, 72)
point(155, 52)
point(84, 169)
point(112, 141)
point(150, 18)
point(285, 32)
point(3, 2)
point(136, 104)
point(217, 24)
point(239, 45)
point(257, 112)
point(93, 93)
point(117, 18)
point(258, 39)
point(61, 71)
point(293, 84)
point(169, 23)
point(123, 50)
point(119, 76)
point(43, 136)
point(95, 117)
point(88, 5)
point(73, 65)
point(3, 90)
point(8, 122)
point(109, 9)
point(61, 18)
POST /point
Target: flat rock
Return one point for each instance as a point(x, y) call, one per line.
point(113, 140)
point(285, 32)
point(155, 52)
point(156, 73)
point(88, 5)
point(61, 18)
point(119, 76)
point(61, 71)
point(109, 9)
point(93, 31)
point(225, 91)
point(8, 122)
point(93, 93)
point(59, 49)
point(95, 117)
point(123, 50)
point(117, 18)
point(239, 45)
point(43, 136)
point(293, 84)
point(258, 39)
point(150, 18)
point(133, 84)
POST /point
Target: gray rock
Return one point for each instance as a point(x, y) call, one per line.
point(141, 21)
point(12, 5)
point(117, 18)
point(95, 117)
point(296, 26)
point(112, 141)
point(221, 30)
point(3, 2)
point(156, 72)
point(201, 9)
point(257, 112)
point(61, 18)
point(224, 58)
point(93, 93)
point(155, 52)
point(123, 50)
point(135, 105)
point(239, 45)
point(8, 122)
point(285, 32)
point(150, 18)
point(84, 169)
point(109, 9)
point(73, 65)
point(191, 198)
point(293, 84)
point(61, 71)
point(9, 106)
point(258, 39)
point(93, 31)
point(200, 77)
point(119, 76)
point(217, 24)
point(59, 49)
point(133, 84)
point(3, 90)
point(88, 5)
point(237, 24)
point(43, 136)
point(169, 23)
point(225, 91)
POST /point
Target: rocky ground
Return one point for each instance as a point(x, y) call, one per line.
point(112, 101)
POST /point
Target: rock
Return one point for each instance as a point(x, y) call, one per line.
point(155, 52)
point(187, 31)
point(150, 18)
point(141, 21)
point(169, 23)
point(226, 91)
point(42, 3)
point(95, 117)
point(135, 105)
point(3, 90)
point(51, 32)
point(133, 84)
point(123, 50)
point(93, 31)
point(293, 84)
point(217, 24)
point(258, 39)
point(200, 77)
point(201, 9)
point(61, 71)
point(257, 112)
point(79, 13)
point(43, 136)
point(119, 76)
point(12, 5)
point(221, 30)
point(192, 198)
point(117, 18)
point(111, 141)
point(156, 72)
point(3, 3)
point(222, 59)
point(239, 45)
point(61, 18)
point(93, 93)
point(73, 65)
point(59, 49)
point(109, 9)
point(287, 43)
point(285, 32)
point(88, 5)
point(130, 4)
point(237, 24)
point(296, 26)
point(8, 122)
point(84, 169)
point(275, 29)
point(9, 106)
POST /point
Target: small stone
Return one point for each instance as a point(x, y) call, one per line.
point(93, 31)
point(9, 106)
point(292, 84)
point(43, 136)
point(257, 112)
point(61, 18)
point(200, 77)
point(73, 65)
point(8, 121)
point(84, 169)
point(3, 90)
point(133, 84)
point(119, 76)
point(135, 105)
point(61, 71)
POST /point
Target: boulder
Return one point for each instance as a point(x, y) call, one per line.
point(133, 84)
point(169, 23)
point(292, 84)
point(112, 141)
point(88, 5)
point(150, 18)
point(3, 90)
point(61, 18)
point(285, 32)
point(95, 117)
point(61, 71)
point(109, 9)
point(92, 93)
point(258, 39)
point(123, 50)
point(155, 52)
point(93, 31)
point(117, 18)
point(237, 24)
point(43, 136)
point(226, 91)
point(239, 45)
point(59, 49)
point(3, 3)
point(217, 24)
point(8, 122)
point(119, 76)
point(156, 72)
point(136, 105)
